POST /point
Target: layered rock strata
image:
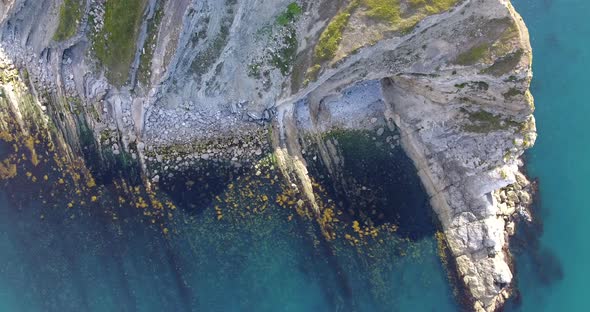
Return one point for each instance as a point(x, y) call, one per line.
point(174, 82)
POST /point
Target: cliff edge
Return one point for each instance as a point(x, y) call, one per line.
point(167, 83)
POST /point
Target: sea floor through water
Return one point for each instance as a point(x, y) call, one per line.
point(243, 249)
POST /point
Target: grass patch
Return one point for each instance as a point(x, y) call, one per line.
point(484, 122)
point(115, 44)
point(404, 20)
point(330, 39)
point(390, 11)
point(401, 19)
point(473, 55)
point(290, 14)
point(499, 49)
point(386, 10)
point(70, 15)
point(483, 116)
point(432, 6)
point(284, 57)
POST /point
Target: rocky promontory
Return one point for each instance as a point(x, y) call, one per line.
point(170, 85)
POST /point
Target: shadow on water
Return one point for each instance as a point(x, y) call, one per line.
point(107, 254)
point(74, 259)
point(104, 165)
point(197, 187)
point(543, 263)
point(5, 149)
point(207, 184)
point(375, 181)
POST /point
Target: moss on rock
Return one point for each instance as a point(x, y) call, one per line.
point(70, 15)
point(115, 45)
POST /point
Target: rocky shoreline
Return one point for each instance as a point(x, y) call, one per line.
point(452, 80)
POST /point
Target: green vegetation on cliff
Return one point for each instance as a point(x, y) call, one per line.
point(282, 36)
point(403, 20)
point(387, 10)
point(500, 48)
point(208, 56)
point(505, 64)
point(484, 122)
point(115, 44)
point(70, 15)
point(473, 55)
point(145, 61)
point(432, 6)
point(291, 13)
point(332, 35)
point(399, 17)
point(284, 57)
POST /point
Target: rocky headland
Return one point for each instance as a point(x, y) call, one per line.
point(172, 85)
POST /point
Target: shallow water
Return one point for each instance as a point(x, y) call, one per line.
point(80, 259)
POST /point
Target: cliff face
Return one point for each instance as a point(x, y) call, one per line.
point(167, 82)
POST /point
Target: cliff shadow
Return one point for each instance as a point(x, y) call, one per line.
point(535, 262)
point(195, 188)
point(371, 179)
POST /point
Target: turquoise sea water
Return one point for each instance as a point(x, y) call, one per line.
point(79, 259)
point(268, 263)
point(554, 277)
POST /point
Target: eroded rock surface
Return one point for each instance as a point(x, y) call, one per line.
point(174, 82)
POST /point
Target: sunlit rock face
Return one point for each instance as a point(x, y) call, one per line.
point(173, 84)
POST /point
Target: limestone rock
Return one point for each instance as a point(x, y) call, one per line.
point(431, 82)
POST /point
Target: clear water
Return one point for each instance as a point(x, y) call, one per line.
point(76, 259)
point(553, 275)
point(266, 262)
